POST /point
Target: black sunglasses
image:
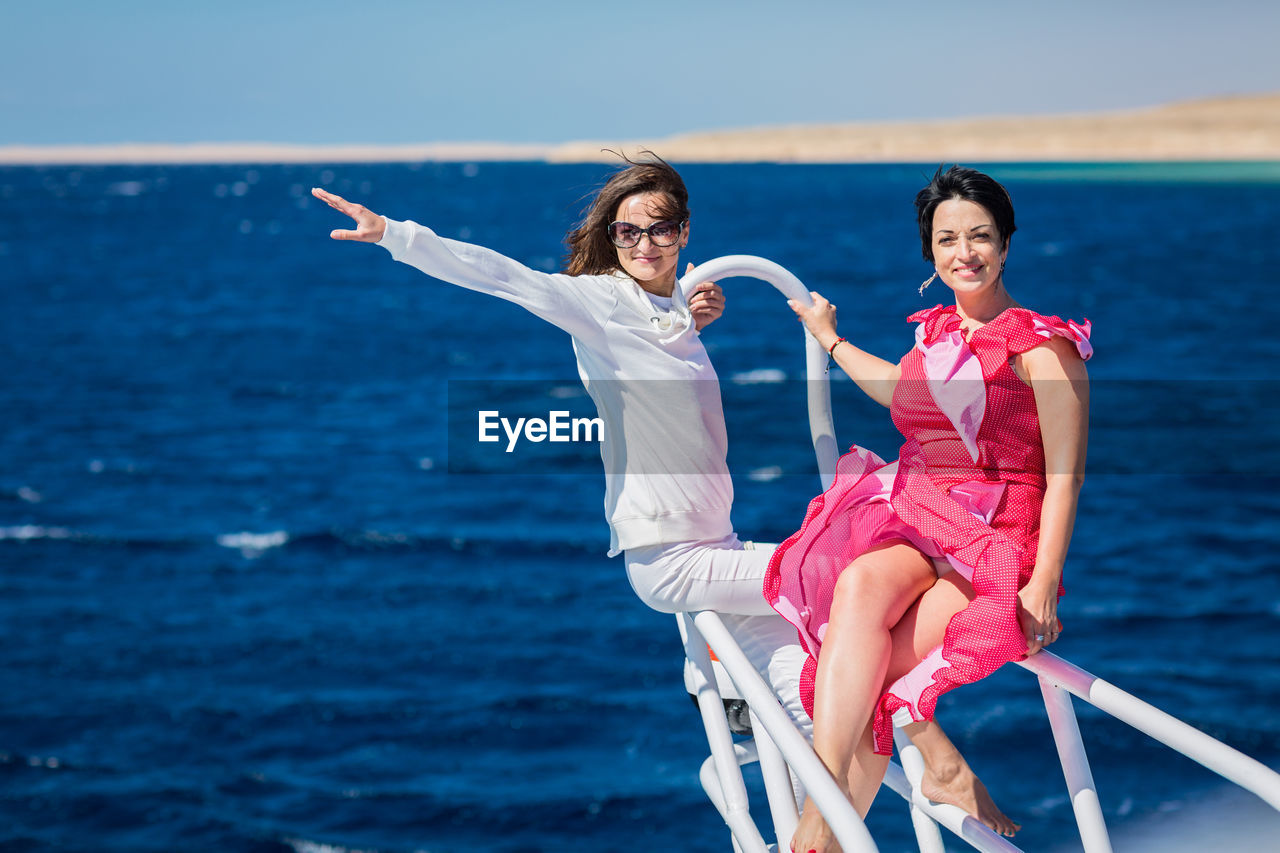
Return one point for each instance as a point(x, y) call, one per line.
point(624, 235)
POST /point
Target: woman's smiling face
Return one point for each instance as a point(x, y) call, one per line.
point(654, 267)
point(968, 250)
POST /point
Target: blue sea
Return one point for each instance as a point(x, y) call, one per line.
point(256, 595)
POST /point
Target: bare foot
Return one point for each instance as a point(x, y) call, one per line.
point(812, 834)
point(957, 785)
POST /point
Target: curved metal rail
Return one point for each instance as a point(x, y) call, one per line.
point(821, 424)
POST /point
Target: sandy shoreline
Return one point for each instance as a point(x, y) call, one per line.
point(1243, 128)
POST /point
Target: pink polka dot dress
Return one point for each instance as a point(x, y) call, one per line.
point(966, 489)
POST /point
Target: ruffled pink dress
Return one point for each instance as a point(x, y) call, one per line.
point(966, 488)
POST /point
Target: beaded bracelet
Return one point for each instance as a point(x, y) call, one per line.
point(831, 351)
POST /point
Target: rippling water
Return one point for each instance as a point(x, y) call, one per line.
point(249, 601)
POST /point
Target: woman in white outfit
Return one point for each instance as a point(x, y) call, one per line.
point(668, 491)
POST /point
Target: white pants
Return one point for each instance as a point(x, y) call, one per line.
point(728, 577)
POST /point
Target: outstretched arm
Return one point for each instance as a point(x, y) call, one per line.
point(1061, 386)
point(875, 376)
point(559, 299)
point(369, 226)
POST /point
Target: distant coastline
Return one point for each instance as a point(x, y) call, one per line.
point(1238, 128)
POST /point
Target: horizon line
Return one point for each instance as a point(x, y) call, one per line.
point(1225, 128)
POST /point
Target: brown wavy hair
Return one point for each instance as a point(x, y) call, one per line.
point(590, 251)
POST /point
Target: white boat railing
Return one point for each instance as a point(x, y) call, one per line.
point(821, 424)
point(778, 745)
point(782, 750)
point(1058, 678)
point(773, 732)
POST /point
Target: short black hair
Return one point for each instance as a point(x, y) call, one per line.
point(965, 184)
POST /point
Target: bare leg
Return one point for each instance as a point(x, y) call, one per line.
point(947, 775)
point(872, 623)
point(866, 772)
point(871, 595)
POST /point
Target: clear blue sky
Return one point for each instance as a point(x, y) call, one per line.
point(406, 71)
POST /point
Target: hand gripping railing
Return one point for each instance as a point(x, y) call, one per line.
point(778, 744)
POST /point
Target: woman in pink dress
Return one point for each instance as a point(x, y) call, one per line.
point(912, 577)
